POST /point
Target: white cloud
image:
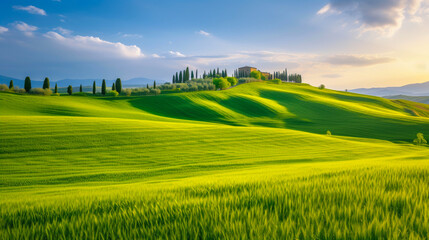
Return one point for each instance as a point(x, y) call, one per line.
point(63, 31)
point(383, 16)
point(3, 29)
point(156, 56)
point(177, 54)
point(31, 9)
point(324, 10)
point(96, 45)
point(127, 35)
point(25, 28)
point(204, 33)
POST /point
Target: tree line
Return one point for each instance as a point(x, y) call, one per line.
point(187, 75)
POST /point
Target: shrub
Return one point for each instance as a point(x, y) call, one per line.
point(256, 74)
point(420, 140)
point(19, 90)
point(276, 81)
point(155, 91)
point(128, 92)
point(328, 133)
point(221, 83)
point(41, 91)
point(113, 93)
point(4, 87)
point(248, 80)
point(322, 86)
point(232, 80)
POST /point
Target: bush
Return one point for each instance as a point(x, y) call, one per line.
point(256, 74)
point(80, 94)
point(4, 87)
point(113, 93)
point(276, 81)
point(248, 80)
point(41, 91)
point(221, 83)
point(155, 91)
point(420, 140)
point(128, 92)
point(328, 133)
point(19, 90)
point(232, 80)
point(322, 86)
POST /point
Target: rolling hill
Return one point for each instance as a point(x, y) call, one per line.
point(253, 161)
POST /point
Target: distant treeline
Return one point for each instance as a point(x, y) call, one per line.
point(186, 75)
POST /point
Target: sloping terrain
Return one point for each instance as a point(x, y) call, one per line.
point(213, 165)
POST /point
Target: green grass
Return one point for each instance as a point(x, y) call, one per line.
point(249, 162)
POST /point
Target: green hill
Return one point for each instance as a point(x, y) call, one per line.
point(253, 161)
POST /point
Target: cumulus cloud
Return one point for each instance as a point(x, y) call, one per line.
point(3, 29)
point(204, 33)
point(63, 31)
point(31, 9)
point(28, 30)
point(177, 54)
point(96, 45)
point(357, 60)
point(384, 16)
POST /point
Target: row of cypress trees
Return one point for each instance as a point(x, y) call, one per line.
point(186, 75)
point(117, 86)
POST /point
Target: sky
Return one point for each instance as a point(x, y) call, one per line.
point(343, 44)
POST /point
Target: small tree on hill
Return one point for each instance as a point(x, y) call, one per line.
point(70, 90)
point(113, 87)
point(11, 85)
point(27, 84)
point(147, 85)
point(420, 140)
point(154, 84)
point(118, 85)
point(80, 88)
point(56, 88)
point(328, 133)
point(46, 84)
point(94, 88)
point(322, 86)
point(103, 87)
point(256, 74)
point(221, 83)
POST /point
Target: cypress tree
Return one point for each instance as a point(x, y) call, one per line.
point(187, 74)
point(27, 84)
point(94, 88)
point(11, 84)
point(80, 88)
point(147, 86)
point(217, 71)
point(174, 80)
point(226, 73)
point(196, 74)
point(113, 87)
point(46, 84)
point(180, 77)
point(192, 74)
point(70, 90)
point(56, 88)
point(118, 85)
point(103, 87)
point(214, 72)
point(154, 84)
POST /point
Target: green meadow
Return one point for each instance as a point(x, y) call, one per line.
point(250, 162)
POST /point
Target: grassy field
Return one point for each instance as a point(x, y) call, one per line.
point(253, 161)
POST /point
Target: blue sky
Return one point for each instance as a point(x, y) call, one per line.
point(341, 43)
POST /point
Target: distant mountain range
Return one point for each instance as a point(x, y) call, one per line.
point(134, 82)
point(415, 89)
